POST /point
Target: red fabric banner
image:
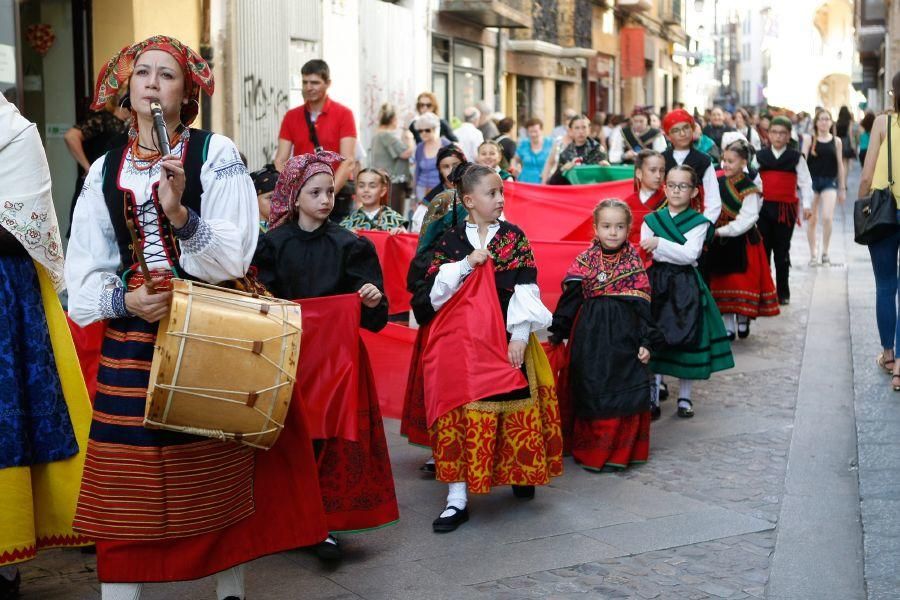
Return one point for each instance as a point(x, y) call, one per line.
point(328, 371)
point(553, 260)
point(558, 212)
point(390, 351)
point(88, 341)
point(632, 52)
point(465, 356)
point(395, 253)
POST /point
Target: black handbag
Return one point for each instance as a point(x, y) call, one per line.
point(875, 217)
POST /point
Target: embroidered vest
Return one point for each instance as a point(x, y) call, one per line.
point(121, 202)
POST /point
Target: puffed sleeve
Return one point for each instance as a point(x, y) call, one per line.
point(218, 244)
point(526, 312)
point(745, 219)
point(449, 279)
point(95, 292)
point(679, 254)
point(566, 311)
point(712, 201)
point(362, 268)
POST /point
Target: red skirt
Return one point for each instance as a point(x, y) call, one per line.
point(615, 442)
point(145, 539)
point(751, 293)
point(414, 423)
point(355, 476)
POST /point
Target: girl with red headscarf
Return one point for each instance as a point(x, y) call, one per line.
point(304, 255)
point(166, 506)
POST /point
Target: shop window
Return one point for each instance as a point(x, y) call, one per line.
point(457, 74)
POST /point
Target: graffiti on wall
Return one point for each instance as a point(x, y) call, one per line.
point(261, 101)
point(375, 93)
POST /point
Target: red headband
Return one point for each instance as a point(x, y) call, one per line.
point(676, 117)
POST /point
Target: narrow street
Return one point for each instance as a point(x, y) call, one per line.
point(756, 497)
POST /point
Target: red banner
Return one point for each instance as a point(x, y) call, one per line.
point(390, 351)
point(328, 371)
point(632, 53)
point(553, 260)
point(395, 252)
point(558, 212)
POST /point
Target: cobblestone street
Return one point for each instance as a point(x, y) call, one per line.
point(702, 519)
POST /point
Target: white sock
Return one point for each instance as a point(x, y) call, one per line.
point(659, 381)
point(730, 322)
point(9, 572)
point(121, 591)
point(457, 496)
point(230, 583)
point(684, 388)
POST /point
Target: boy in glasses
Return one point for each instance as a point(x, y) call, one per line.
point(783, 171)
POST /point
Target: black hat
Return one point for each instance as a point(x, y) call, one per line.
point(265, 179)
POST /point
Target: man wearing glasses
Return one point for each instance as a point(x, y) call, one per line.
point(428, 102)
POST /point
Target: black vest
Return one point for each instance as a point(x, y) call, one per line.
point(787, 162)
point(117, 199)
point(695, 159)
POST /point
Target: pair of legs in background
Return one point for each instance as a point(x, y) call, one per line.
point(886, 265)
point(824, 199)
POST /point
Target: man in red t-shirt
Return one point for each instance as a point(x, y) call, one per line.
point(333, 123)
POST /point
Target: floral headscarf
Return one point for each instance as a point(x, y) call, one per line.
point(296, 173)
point(115, 75)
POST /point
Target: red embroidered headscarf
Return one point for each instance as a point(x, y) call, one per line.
point(676, 117)
point(114, 77)
point(296, 173)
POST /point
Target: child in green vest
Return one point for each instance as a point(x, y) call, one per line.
point(682, 306)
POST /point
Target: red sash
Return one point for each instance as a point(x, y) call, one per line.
point(779, 186)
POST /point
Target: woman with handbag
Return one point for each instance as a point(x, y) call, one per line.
point(882, 161)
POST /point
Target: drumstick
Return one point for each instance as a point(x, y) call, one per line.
point(136, 248)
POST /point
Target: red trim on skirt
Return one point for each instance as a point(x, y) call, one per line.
point(751, 293)
point(616, 442)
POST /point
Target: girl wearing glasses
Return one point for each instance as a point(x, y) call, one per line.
point(679, 128)
point(682, 306)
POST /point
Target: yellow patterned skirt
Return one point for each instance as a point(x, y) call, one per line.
point(517, 442)
point(37, 503)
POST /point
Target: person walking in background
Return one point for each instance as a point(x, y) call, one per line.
point(102, 130)
point(716, 126)
point(468, 134)
point(744, 125)
point(428, 128)
point(625, 143)
point(884, 252)
point(533, 153)
point(823, 151)
point(865, 133)
point(428, 102)
point(847, 131)
point(583, 150)
point(321, 123)
point(391, 154)
point(486, 124)
point(506, 126)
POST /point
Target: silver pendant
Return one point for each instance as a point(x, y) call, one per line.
point(602, 277)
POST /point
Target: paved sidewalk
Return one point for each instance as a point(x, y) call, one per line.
point(697, 521)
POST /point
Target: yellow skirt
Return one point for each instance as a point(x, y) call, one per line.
point(37, 503)
point(518, 442)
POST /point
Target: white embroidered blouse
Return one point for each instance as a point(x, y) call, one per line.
point(216, 245)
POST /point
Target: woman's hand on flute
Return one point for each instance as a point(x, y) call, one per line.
point(171, 189)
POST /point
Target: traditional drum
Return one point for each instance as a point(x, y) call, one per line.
point(224, 365)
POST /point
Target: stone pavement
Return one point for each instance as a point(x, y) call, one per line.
point(699, 520)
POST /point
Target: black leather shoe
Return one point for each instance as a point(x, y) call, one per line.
point(428, 468)
point(663, 391)
point(685, 412)
point(328, 549)
point(655, 412)
point(743, 333)
point(523, 492)
point(730, 335)
point(448, 524)
point(784, 301)
point(10, 589)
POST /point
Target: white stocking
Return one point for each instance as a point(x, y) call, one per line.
point(121, 591)
point(230, 583)
point(457, 496)
point(684, 388)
